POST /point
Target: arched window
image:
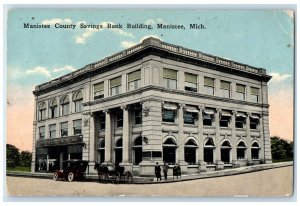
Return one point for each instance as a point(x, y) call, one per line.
point(190, 151)
point(209, 147)
point(77, 98)
point(241, 150)
point(101, 151)
point(53, 108)
point(138, 149)
point(42, 111)
point(64, 101)
point(118, 151)
point(255, 150)
point(169, 150)
point(225, 152)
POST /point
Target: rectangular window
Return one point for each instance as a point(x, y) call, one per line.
point(115, 86)
point(189, 118)
point(170, 78)
point(209, 85)
point(99, 91)
point(190, 82)
point(224, 121)
point(134, 80)
point(168, 115)
point(239, 122)
point(138, 116)
point(240, 92)
point(77, 127)
point(102, 120)
point(52, 130)
point(42, 114)
point(78, 106)
point(65, 109)
point(64, 129)
point(120, 119)
point(254, 121)
point(42, 132)
point(225, 89)
point(53, 111)
point(254, 94)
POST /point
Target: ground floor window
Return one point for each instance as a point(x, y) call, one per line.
point(138, 150)
point(225, 152)
point(209, 148)
point(169, 151)
point(118, 151)
point(255, 151)
point(241, 150)
point(101, 152)
point(190, 148)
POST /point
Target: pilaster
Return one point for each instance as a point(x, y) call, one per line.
point(108, 137)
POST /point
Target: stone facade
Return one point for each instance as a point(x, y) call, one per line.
point(151, 103)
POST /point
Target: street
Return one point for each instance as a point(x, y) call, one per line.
point(267, 183)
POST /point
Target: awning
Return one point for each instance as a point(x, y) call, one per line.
point(170, 106)
point(254, 116)
point(209, 111)
point(225, 114)
point(191, 109)
point(241, 115)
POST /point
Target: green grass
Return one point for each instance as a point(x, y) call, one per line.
point(283, 160)
point(19, 169)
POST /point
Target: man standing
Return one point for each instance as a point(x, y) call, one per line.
point(165, 170)
point(157, 171)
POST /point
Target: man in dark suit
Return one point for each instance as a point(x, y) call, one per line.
point(157, 171)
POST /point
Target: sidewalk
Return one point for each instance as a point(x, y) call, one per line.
point(184, 177)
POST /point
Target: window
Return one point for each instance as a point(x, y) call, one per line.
point(53, 108)
point(102, 120)
point(101, 150)
point(190, 82)
point(99, 91)
point(118, 151)
point(64, 105)
point(120, 119)
point(225, 118)
point(138, 150)
point(209, 85)
point(254, 121)
point(190, 152)
point(134, 80)
point(64, 129)
point(77, 98)
point(225, 152)
point(42, 111)
point(42, 132)
point(168, 115)
point(225, 89)
point(209, 147)
point(255, 151)
point(240, 92)
point(208, 115)
point(77, 127)
point(189, 118)
point(170, 79)
point(52, 130)
point(115, 86)
point(169, 151)
point(240, 120)
point(241, 149)
point(254, 93)
point(138, 116)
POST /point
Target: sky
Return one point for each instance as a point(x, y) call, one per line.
point(261, 38)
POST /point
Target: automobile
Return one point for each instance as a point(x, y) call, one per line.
point(71, 170)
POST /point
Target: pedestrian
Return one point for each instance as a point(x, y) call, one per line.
point(165, 170)
point(157, 171)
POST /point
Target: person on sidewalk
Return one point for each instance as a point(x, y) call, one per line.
point(165, 170)
point(157, 171)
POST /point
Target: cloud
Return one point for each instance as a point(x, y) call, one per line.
point(38, 70)
point(155, 21)
point(57, 20)
point(88, 32)
point(276, 77)
point(66, 68)
point(128, 44)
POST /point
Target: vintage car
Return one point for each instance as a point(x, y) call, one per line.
point(71, 170)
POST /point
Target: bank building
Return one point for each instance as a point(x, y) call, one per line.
point(154, 102)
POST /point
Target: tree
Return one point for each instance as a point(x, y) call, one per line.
point(25, 158)
point(12, 155)
point(281, 149)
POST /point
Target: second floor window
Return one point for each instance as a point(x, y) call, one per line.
point(240, 92)
point(120, 119)
point(102, 120)
point(42, 111)
point(225, 119)
point(209, 85)
point(254, 121)
point(138, 116)
point(208, 117)
point(65, 105)
point(240, 120)
point(225, 89)
point(189, 118)
point(64, 129)
point(53, 108)
point(190, 82)
point(254, 93)
point(115, 86)
point(42, 132)
point(134, 80)
point(77, 127)
point(77, 98)
point(170, 78)
point(52, 130)
point(99, 91)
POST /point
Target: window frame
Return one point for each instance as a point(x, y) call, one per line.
point(51, 131)
point(76, 127)
point(64, 129)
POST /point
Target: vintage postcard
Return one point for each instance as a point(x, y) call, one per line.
point(149, 102)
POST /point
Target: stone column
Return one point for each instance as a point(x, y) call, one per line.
point(248, 139)
point(92, 142)
point(108, 138)
point(34, 135)
point(126, 140)
point(219, 163)
point(202, 164)
point(234, 140)
point(180, 140)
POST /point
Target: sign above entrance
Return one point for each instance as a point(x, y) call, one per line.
point(60, 141)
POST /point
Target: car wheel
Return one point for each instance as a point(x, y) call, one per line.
point(55, 176)
point(70, 176)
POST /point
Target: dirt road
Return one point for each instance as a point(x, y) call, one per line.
point(274, 182)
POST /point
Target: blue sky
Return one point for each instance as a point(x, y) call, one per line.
point(261, 38)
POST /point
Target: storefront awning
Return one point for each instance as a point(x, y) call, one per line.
point(62, 141)
point(170, 106)
point(209, 111)
point(191, 109)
